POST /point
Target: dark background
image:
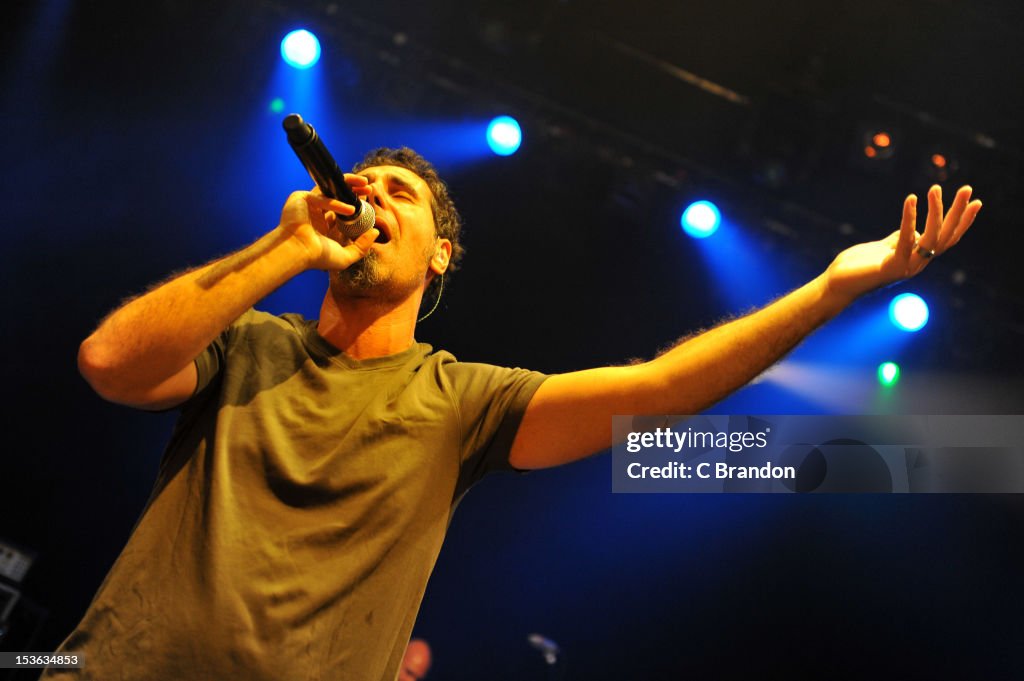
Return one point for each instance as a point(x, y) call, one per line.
point(138, 142)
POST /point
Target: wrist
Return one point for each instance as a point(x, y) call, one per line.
point(832, 298)
point(301, 250)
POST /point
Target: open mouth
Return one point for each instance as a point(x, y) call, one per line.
point(384, 236)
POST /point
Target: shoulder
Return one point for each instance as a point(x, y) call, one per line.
point(258, 323)
point(481, 380)
point(261, 333)
point(255, 321)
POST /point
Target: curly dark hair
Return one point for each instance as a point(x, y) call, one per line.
point(447, 221)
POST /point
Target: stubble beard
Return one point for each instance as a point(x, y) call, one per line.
point(367, 275)
point(364, 274)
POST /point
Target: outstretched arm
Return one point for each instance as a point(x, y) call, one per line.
point(142, 354)
point(570, 415)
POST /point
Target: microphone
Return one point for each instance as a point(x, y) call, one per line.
point(546, 646)
point(324, 170)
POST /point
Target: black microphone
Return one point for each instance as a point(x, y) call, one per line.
point(324, 170)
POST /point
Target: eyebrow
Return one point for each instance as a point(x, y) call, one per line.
point(395, 180)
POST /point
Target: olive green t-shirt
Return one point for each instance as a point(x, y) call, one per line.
point(298, 510)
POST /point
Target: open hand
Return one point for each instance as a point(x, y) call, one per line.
point(903, 253)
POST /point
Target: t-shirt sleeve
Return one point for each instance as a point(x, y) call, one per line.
point(491, 402)
point(210, 362)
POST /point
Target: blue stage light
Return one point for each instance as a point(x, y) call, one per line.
point(504, 135)
point(300, 49)
point(908, 312)
point(701, 219)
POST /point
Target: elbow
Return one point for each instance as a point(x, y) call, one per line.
point(115, 376)
point(89, 364)
point(97, 367)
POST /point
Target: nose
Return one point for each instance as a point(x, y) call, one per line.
point(374, 198)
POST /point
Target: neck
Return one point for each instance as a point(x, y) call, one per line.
point(369, 327)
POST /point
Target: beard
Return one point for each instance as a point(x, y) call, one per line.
point(369, 277)
point(363, 275)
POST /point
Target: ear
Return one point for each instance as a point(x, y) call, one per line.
point(442, 256)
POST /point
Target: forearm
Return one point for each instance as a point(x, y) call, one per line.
point(702, 370)
point(570, 415)
point(152, 337)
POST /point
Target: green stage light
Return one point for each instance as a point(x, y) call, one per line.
point(888, 373)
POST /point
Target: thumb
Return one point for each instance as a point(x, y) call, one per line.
point(355, 251)
point(366, 239)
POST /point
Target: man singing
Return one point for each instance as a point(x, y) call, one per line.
point(304, 495)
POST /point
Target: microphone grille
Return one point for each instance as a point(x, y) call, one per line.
point(363, 221)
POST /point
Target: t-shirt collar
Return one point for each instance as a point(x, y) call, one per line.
point(321, 346)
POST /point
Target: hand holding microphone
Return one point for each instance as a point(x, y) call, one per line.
point(324, 170)
point(309, 218)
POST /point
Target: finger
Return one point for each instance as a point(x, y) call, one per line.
point(318, 220)
point(342, 208)
point(970, 212)
point(343, 253)
point(359, 185)
point(324, 204)
point(908, 229)
point(933, 223)
point(953, 217)
point(361, 245)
